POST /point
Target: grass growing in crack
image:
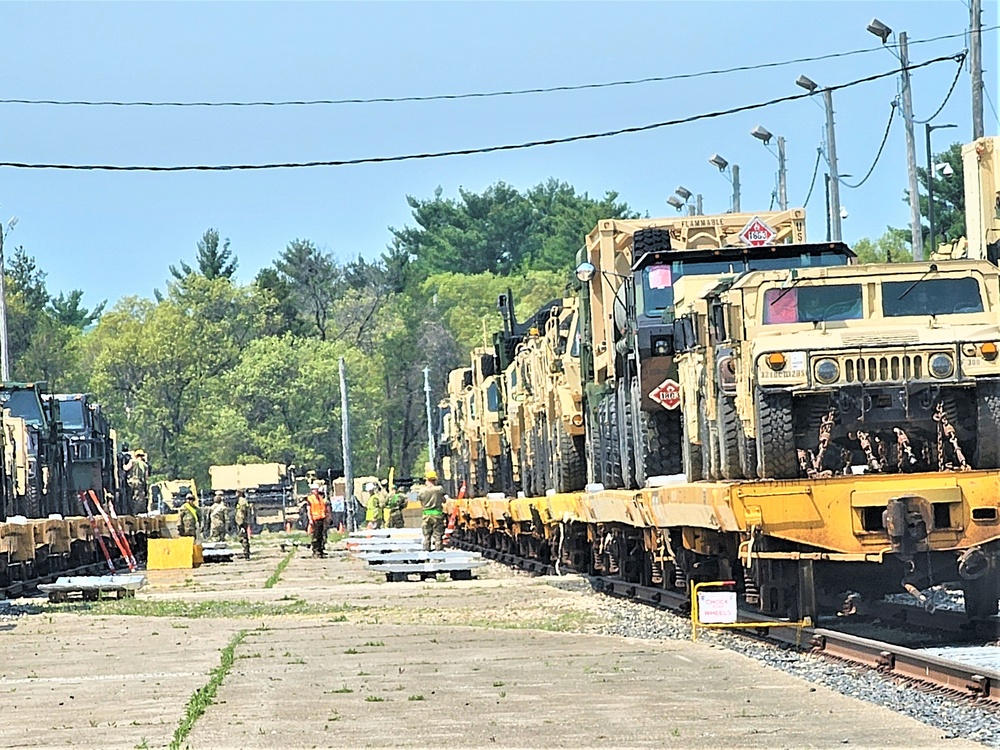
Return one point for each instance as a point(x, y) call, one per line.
point(415, 698)
point(235, 608)
point(269, 583)
point(204, 696)
point(374, 699)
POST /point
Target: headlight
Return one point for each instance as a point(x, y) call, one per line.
point(827, 371)
point(941, 365)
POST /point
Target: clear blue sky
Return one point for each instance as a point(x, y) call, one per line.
point(115, 234)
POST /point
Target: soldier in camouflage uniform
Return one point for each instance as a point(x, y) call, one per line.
point(138, 482)
point(217, 515)
point(431, 497)
point(188, 521)
point(396, 503)
point(243, 515)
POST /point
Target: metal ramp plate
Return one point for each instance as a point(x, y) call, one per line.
point(91, 588)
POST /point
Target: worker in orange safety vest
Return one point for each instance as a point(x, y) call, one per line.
point(318, 516)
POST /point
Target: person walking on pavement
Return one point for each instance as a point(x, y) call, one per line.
point(188, 521)
point(217, 516)
point(318, 516)
point(431, 497)
point(243, 516)
point(396, 503)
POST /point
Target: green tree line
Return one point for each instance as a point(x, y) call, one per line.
point(209, 370)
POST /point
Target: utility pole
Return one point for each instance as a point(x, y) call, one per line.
point(430, 429)
point(698, 211)
point(736, 188)
point(916, 231)
point(345, 426)
point(782, 175)
point(932, 244)
point(826, 180)
point(976, 63)
point(833, 211)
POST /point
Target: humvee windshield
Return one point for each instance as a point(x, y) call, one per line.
point(931, 297)
point(658, 281)
point(23, 404)
point(809, 304)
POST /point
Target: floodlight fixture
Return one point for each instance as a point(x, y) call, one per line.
point(843, 213)
point(944, 168)
point(879, 29)
point(719, 162)
point(762, 134)
point(676, 202)
point(807, 83)
point(683, 192)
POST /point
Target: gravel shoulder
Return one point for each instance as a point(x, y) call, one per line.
point(333, 656)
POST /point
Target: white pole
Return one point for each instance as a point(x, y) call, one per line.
point(345, 424)
point(430, 428)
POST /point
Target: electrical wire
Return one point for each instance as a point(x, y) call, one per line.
point(885, 137)
point(990, 100)
point(470, 95)
point(951, 89)
point(812, 182)
point(467, 151)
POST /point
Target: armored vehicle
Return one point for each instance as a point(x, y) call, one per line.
point(874, 368)
point(89, 446)
point(38, 451)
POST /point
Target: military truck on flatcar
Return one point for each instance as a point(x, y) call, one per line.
point(881, 367)
point(39, 450)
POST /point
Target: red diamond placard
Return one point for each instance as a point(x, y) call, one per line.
point(756, 233)
point(667, 394)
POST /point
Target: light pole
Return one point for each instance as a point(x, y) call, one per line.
point(833, 214)
point(930, 181)
point(764, 136)
point(722, 164)
point(883, 32)
point(4, 339)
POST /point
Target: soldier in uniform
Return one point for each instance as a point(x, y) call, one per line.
point(243, 515)
point(376, 504)
point(188, 522)
point(431, 497)
point(138, 482)
point(396, 503)
point(217, 515)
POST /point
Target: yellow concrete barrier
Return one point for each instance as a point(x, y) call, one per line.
point(170, 554)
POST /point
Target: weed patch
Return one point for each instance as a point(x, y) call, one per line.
point(273, 579)
point(235, 608)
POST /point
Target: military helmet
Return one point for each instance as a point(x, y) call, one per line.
point(189, 496)
point(219, 493)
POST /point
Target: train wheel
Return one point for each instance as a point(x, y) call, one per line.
point(775, 436)
point(988, 425)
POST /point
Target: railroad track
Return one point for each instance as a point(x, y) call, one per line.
point(922, 670)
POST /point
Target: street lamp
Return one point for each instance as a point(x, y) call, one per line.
point(763, 135)
point(833, 213)
point(945, 169)
point(717, 161)
point(4, 339)
point(883, 32)
point(685, 195)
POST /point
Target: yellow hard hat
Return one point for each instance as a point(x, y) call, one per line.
point(430, 474)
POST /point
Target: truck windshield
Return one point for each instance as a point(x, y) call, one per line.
point(24, 404)
point(805, 260)
point(810, 304)
point(931, 297)
point(71, 414)
point(658, 281)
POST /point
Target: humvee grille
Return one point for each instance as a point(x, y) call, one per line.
point(883, 369)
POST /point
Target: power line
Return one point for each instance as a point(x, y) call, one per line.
point(468, 95)
point(951, 89)
point(885, 137)
point(990, 100)
point(812, 182)
point(468, 151)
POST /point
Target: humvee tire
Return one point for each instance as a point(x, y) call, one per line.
point(776, 452)
point(570, 468)
point(988, 425)
point(730, 436)
point(662, 442)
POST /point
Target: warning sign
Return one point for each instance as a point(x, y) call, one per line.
point(667, 394)
point(756, 233)
point(716, 607)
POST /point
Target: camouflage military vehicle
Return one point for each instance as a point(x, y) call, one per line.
point(37, 451)
point(880, 367)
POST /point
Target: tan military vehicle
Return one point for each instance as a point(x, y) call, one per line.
point(463, 453)
point(880, 367)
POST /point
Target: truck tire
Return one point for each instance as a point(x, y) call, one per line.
point(626, 439)
point(709, 447)
point(988, 425)
point(613, 458)
point(662, 435)
point(637, 431)
point(571, 472)
point(693, 466)
point(776, 452)
point(650, 241)
point(730, 437)
point(33, 500)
